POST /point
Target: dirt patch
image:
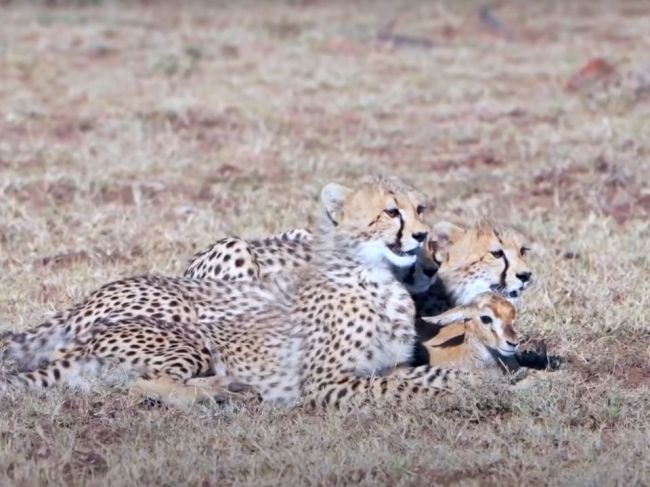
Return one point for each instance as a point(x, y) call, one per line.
point(625, 361)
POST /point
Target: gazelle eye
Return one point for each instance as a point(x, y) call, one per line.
point(486, 320)
point(524, 250)
point(420, 209)
point(393, 212)
point(498, 254)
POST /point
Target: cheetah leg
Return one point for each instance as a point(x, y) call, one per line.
point(174, 392)
point(215, 385)
point(401, 386)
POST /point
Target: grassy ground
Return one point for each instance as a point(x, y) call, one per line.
point(133, 135)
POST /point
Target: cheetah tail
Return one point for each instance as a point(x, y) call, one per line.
point(27, 349)
point(76, 372)
point(401, 386)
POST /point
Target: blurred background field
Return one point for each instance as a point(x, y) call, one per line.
point(133, 134)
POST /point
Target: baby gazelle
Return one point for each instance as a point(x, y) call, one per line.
point(474, 337)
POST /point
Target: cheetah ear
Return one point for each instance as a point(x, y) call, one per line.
point(332, 197)
point(455, 332)
point(443, 236)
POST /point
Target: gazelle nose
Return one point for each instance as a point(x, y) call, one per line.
point(420, 236)
point(512, 344)
point(524, 276)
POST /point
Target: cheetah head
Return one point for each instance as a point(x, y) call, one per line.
point(479, 259)
point(380, 217)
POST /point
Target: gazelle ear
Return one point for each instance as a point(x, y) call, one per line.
point(456, 314)
point(446, 334)
point(443, 236)
point(332, 197)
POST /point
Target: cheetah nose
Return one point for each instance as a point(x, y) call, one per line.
point(420, 236)
point(524, 276)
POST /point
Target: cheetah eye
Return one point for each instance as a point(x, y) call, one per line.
point(498, 254)
point(486, 320)
point(523, 251)
point(392, 212)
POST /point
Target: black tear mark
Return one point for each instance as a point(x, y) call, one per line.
point(504, 274)
point(331, 219)
point(400, 232)
point(505, 271)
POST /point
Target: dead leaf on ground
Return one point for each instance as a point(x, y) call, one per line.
point(595, 71)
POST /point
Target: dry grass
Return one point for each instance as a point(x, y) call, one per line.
point(133, 135)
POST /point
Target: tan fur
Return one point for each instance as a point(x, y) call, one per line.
point(281, 256)
point(346, 320)
point(467, 267)
point(469, 344)
point(200, 389)
point(235, 259)
point(473, 260)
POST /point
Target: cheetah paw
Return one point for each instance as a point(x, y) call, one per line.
point(224, 389)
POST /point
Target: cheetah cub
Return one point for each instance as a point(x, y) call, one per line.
point(335, 339)
point(478, 336)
